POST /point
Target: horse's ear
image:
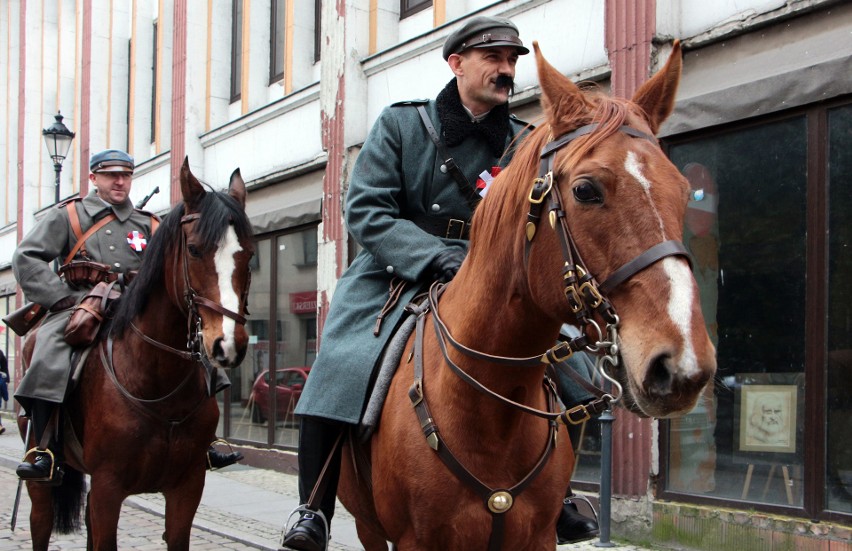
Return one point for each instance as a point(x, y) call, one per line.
point(657, 96)
point(237, 188)
point(561, 99)
point(190, 187)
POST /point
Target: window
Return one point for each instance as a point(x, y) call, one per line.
point(317, 30)
point(154, 84)
point(236, 49)
point(276, 41)
point(838, 470)
point(769, 228)
point(410, 7)
point(282, 336)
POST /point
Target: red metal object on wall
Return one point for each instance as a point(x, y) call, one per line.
point(178, 145)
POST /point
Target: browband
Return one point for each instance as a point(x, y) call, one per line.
point(588, 129)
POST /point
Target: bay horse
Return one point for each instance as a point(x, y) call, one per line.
point(143, 409)
point(466, 454)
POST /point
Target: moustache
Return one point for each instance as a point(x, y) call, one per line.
point(505, 81)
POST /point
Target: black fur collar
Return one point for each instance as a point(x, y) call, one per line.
point(456, 125)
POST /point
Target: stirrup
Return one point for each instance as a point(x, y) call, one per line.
point(304, 508)
point(53, 469)
point(573, 498)
point(213, 443)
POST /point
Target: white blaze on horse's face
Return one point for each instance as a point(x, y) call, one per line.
point(225, 266)
point(682, 288)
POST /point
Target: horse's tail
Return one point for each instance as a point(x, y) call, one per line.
point(68, 502)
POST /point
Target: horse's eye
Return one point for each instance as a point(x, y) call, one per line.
point(193, 250)
point(586, 192)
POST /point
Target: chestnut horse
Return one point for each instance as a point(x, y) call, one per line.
point(142, 408)
point(478, 468)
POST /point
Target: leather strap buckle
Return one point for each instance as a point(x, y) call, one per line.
point(570, 415)
point(456, 229)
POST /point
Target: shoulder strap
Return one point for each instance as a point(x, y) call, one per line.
point(466, 189)
point(71, 207)
point(82, 240)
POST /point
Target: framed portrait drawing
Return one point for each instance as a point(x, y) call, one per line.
point(768, 416)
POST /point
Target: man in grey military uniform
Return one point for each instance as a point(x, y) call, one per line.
point(412, 193)
point(118, 245)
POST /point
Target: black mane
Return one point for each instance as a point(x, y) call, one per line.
point(217, 211)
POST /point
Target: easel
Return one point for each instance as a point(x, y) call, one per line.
point(788, 484)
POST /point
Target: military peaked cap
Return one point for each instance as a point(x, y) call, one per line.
point(484, 32)
point(111, 160)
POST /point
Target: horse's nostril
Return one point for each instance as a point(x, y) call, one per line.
point(658, 381)
point(218, 351)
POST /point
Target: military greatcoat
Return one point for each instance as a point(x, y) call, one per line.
point(53, 238)
point(396, 180)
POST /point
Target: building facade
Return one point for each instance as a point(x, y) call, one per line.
point(287, 90)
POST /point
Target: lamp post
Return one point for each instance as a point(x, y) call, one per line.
point(57, 138)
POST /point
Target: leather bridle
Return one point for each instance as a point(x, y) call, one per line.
point(586, 299)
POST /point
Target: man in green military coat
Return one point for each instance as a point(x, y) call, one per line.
point(118, 245)
point(409, 203)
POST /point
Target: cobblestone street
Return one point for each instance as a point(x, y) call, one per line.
point(242, 508)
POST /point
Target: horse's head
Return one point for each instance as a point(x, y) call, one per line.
point(214, 259)
point(610, 194)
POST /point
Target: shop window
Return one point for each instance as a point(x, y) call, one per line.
point(283, 290)
point(838, 457)
point(754, 224)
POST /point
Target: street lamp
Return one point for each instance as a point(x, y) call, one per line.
point(57, 138)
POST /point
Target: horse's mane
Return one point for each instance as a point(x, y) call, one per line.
point(501, 216)
point(217, 210)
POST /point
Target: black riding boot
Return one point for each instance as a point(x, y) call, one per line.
point(317, 438)
point(43, 464)
point(573, 526)
point(219, 460)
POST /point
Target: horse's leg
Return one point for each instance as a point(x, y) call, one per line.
point(105, 501)
point(181, 504)
point(41, 514)
point(369, 538)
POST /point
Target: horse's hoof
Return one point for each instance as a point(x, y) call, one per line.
point(308, 534)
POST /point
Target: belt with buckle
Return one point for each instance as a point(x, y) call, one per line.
point(441, 226)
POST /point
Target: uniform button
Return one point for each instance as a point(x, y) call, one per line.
point(117, 264)
point(389, 269)
point(436, 207)
point(444, 169)
point(112, 247)
point(109, 232)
